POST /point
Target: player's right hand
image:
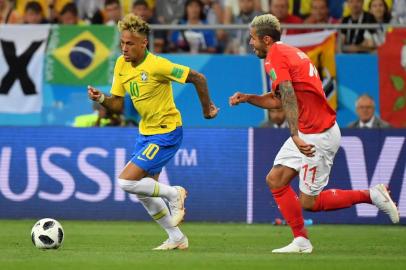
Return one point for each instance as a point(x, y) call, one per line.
point(238, 98)
point(305, 148)
point(93, 93)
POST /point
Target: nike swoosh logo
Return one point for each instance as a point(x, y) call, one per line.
point(141, 158)
point(384, 195)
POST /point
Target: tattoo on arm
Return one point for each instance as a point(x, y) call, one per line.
point(290, 107)
point(199, 81)
point(196, 78)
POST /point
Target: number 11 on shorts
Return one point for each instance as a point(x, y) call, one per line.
point(312, 170)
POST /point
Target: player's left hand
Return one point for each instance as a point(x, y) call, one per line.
point(305, 148)
point(213, 111)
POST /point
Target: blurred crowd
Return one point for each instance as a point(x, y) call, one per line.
point(364, 108)
point(197, 12)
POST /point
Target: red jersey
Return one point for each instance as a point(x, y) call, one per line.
point(287, 63)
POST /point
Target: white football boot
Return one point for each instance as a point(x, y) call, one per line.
point(177, 206)
point(381, 199)
point(298, 245)
point(169, 244)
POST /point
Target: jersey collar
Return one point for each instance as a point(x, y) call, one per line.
point(145, 57)
point(143, 60)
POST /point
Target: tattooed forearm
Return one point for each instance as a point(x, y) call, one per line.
point(200, 83)
point(289, 104)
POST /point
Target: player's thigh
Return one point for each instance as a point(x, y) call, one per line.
point(132, 172)
point(280, 176)
point(289, 156)
point(314, 174)
point(154, 155)
point(315, 171)
point(286, 165)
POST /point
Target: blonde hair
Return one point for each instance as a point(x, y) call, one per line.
point(267, 25)
point(134, 24)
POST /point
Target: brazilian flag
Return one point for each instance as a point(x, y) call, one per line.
point(81, 55)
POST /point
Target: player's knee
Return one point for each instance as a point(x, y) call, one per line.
point(272, 181)
point(126, 185)
point(307, 204)
point(307, 207)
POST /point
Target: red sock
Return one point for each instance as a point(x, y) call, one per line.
point(289, 205)
point(334, 199)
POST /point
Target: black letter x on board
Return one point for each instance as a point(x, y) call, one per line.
point(18, 67)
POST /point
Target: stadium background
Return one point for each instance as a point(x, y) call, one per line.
point(222, 162)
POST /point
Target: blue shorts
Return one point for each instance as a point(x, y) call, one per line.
point(152, 152)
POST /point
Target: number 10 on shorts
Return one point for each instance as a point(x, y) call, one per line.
point(151, 151)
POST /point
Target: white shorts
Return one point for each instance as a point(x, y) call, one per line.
point(313, 171)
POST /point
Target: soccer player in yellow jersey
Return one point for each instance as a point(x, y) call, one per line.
point(147, 79)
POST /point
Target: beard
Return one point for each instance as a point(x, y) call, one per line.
point(260, 54)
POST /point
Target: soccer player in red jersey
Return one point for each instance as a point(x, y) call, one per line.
point(314, 141)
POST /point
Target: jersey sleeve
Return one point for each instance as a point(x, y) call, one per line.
point(117, 88)
point(280, 69)
point(166, 70)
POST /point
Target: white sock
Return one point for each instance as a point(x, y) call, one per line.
point(148, 187)
point(158, 210)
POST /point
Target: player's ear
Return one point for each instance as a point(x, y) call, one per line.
point(145, 42)
point(267, 40)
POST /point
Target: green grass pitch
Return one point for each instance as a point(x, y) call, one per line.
point(127, 245)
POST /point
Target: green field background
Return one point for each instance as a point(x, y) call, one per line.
point(127, 245)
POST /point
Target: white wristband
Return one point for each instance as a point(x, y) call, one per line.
point(101, 99)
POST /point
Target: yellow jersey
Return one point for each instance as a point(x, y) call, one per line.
point(149, 85)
